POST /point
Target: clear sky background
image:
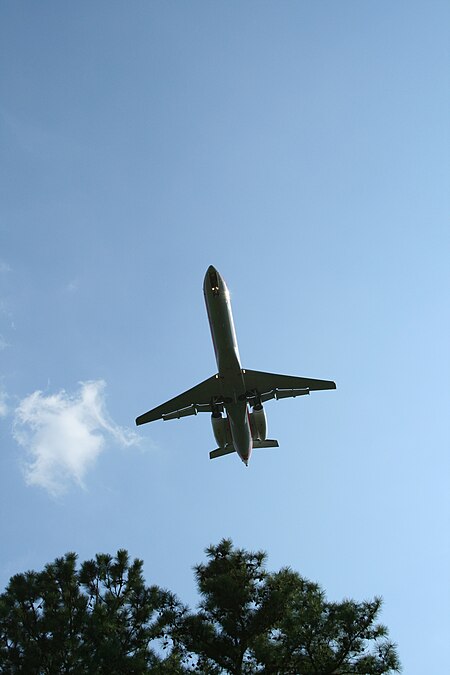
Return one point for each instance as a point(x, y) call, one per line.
point(303, 149)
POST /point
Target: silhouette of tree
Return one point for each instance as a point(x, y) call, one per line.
point(253, 621)
point(102, 618)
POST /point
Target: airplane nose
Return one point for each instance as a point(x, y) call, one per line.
point(213, 280)
point(212, 272)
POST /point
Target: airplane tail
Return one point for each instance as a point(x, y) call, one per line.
point(220, 452)
point(268, 443)
point(228, 449)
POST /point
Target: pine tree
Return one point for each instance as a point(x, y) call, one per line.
point(253, 621)
point(100, 619)
point(103, 618)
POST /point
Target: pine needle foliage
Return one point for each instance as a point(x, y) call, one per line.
point(101, 617)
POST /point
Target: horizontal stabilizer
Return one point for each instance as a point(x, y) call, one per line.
point(220, 452)
point(268, 443)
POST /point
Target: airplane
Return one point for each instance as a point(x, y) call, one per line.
point(232, 391)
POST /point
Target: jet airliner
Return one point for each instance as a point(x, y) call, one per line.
point(234, 396)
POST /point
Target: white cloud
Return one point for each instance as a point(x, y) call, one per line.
point(64, 434)
point(4, 267)
point(3, 406)
point(72, 286)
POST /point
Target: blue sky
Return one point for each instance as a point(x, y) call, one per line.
point(303, 149)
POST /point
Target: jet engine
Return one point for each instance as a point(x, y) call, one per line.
point(258, 423)
point(221, 429)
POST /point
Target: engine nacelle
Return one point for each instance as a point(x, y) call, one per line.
point(258, 423)
point(221, 429)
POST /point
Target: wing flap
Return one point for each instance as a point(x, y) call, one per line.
point(201, 395)
point(269, 382)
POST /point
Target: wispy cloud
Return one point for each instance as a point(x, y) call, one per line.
point(3, 405)
point(8, 317)
point(64, 434)
point(4, 267)
point(72, 286)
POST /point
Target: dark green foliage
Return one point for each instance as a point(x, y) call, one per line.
point(252, 621)
point(319, 637)
point(103, 619)
point(237, 607)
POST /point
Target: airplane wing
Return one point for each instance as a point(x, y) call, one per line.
point(265, 383)
point(200, 395)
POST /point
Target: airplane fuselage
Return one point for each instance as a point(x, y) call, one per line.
point(218, 306)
